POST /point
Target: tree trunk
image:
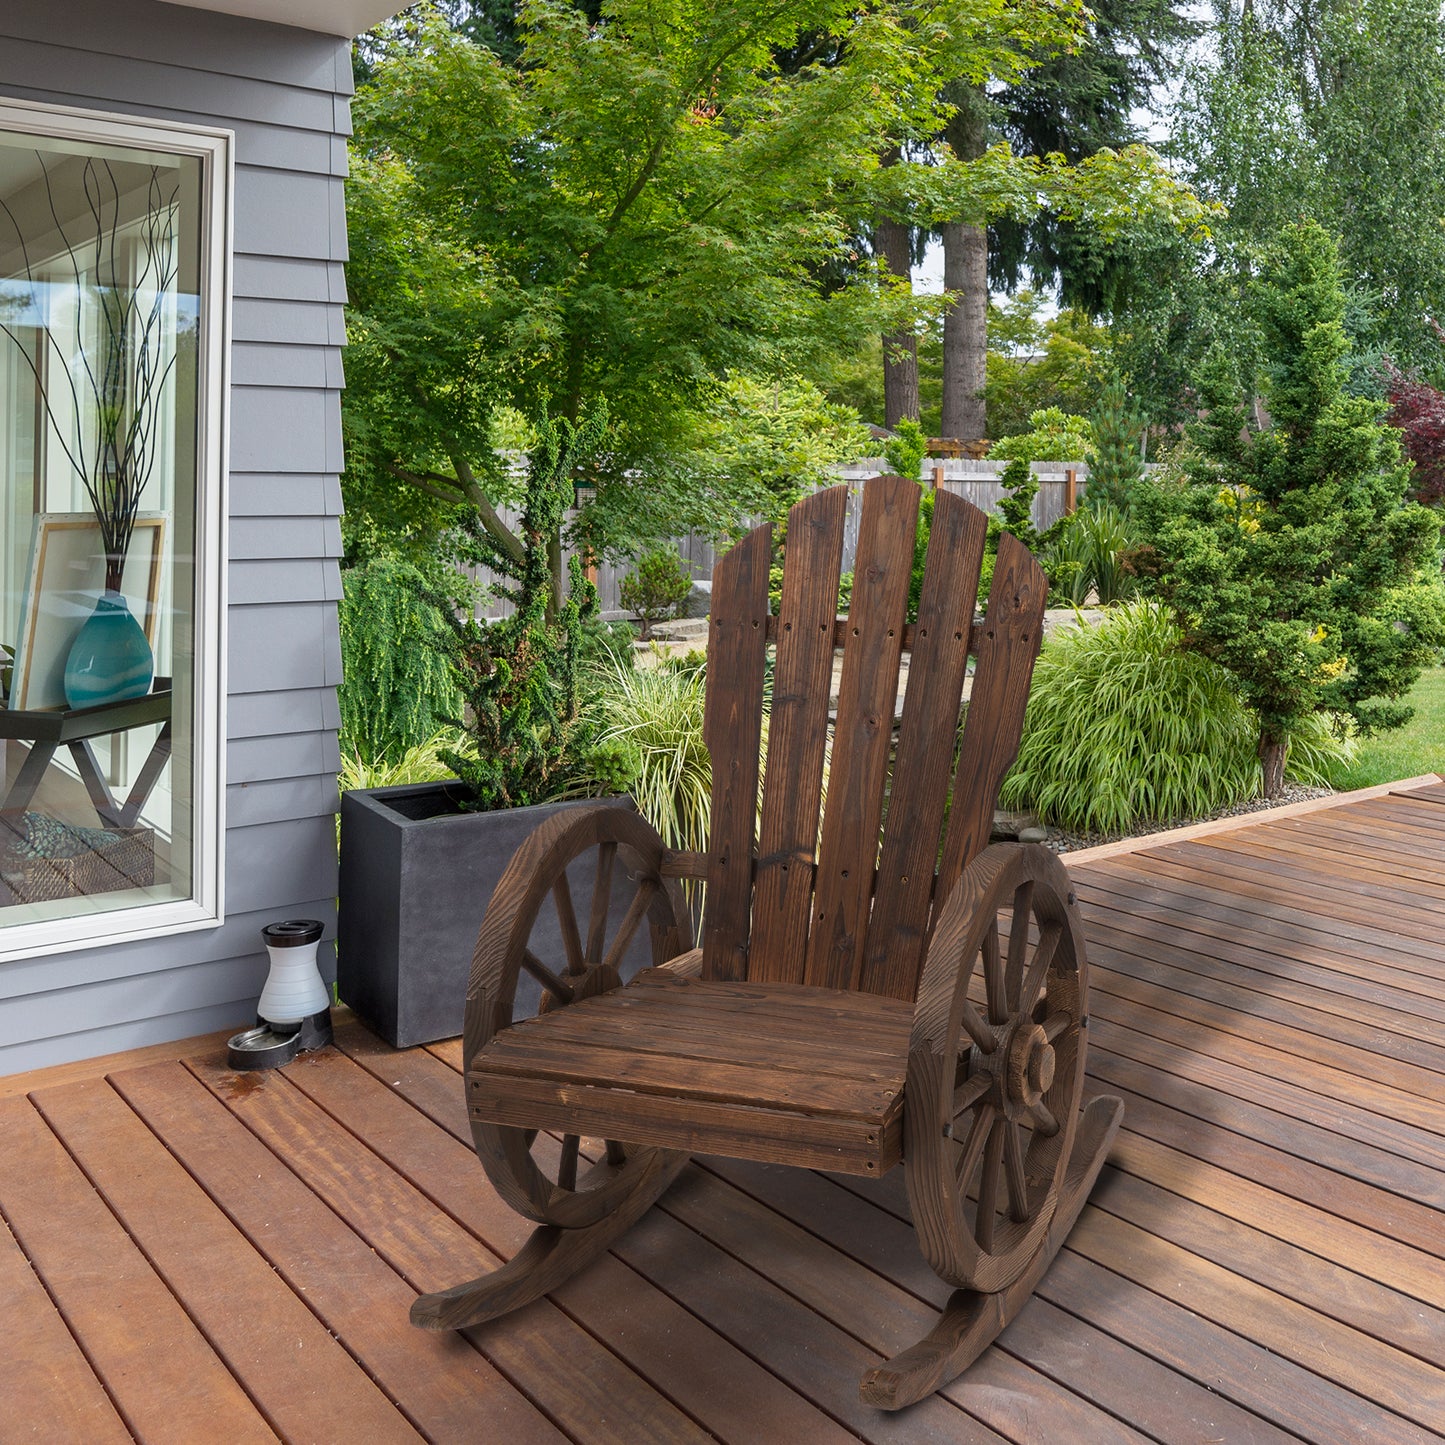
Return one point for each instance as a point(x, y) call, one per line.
point(900, 350)
point(1272, 750)
point(965, 271)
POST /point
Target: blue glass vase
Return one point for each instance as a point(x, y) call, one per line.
point(110, 659)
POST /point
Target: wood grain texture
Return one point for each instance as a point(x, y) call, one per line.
point(848, 850)
point(898, 928)
point(154, 1363)
point(797, 738)
point(1007, 645)
point(304, 1383)
point(48, 1380)
point(732, 729)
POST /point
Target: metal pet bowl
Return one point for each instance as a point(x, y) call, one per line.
point(268, 1046)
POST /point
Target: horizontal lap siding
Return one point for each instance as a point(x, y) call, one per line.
point(285, 95)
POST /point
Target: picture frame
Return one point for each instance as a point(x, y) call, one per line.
point(64, 578)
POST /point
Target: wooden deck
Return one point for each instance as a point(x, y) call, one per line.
point(191, 1255)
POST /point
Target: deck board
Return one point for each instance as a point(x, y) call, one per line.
point(193, 1254)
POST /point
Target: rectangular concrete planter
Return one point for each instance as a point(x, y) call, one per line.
point(416, 876)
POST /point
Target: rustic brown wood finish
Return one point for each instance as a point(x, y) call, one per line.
point(801, 1033)
point(190, 1254)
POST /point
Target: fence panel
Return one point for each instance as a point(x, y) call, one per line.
point(977, 482)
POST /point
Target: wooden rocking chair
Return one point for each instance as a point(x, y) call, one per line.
point(853, 1005)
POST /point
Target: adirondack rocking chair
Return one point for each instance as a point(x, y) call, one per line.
point(853, 1005)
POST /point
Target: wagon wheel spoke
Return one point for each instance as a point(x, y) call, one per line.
point(1018, 942)
point(557, 987)
point(567, 919)
point(973, 1146)
point(993, 976)
point(567, 1165)
point(1033, 982)
point(1056, 1023)
point(1044, 1121)
point(601, 899)
point(1014, 1179)
point(647, 890)
point(616, 1153)
point(988, 1185)
point(969, 1092)
point(977, 1030)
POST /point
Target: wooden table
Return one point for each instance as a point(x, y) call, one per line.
point(74, 728)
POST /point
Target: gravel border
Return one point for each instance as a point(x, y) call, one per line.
point(1065, 842)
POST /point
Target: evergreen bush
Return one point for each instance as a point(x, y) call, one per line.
point(1115, 462)
point(396, 687)
point(655, 591)
point(530, 737)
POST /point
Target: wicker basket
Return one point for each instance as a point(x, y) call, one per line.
point(121, 858)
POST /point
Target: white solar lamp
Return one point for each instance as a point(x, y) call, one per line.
point(294, 1014)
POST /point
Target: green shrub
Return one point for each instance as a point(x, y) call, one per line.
point(421, 763)
point(396, 688)
point(530, 738)
point(1115, 462)
point(658, 587)
point(905, 450)
point(1124, 725)
point(1323, 746)
point(1087, 554)
point(1054, 435)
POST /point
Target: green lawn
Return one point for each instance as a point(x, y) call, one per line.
point(1418, 747)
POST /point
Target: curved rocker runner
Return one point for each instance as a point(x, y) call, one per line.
point(875, 986)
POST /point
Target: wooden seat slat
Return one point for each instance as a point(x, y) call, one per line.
point(749, 1059)
point(863, 732)
point(898, 929)
point(797, 738)
point(699, 1126)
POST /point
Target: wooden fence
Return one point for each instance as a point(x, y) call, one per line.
point(977, 482)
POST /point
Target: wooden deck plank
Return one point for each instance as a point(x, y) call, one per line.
point(440, 1382)
point(571, 1377)
point(1107, 917)
point(48, 1387)
point(714, 1383)
point(1079, 1357)
point(1264, 1257)
point(1303, 1161)
point(155, 1365)
point(1409, 1090)
point(1354, 1370)
point(304, 1383)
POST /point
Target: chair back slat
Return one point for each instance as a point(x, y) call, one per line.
point(732, 729)
point(863, 733)
point(797, 738)
point(938, 664)
point(1006, 646)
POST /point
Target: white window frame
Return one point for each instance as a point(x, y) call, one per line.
point(205, 908)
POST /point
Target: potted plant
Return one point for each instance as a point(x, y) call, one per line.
point(109, 415)
point(419, 861)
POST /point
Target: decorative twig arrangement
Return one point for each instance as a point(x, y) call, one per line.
point(116, 394)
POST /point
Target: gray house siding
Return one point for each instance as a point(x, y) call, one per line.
point(284, 94)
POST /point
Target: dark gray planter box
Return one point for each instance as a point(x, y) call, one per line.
point(416, 877)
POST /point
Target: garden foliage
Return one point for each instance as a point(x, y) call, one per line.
point(1418, 410)
point(1125, 724)
point(1289, 553)
point(656, 589)
point(531, 739)
point(1115, 461)
point(1053, 436)
point(396, 685)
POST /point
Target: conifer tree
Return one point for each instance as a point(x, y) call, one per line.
point(1290, 554)
point(1116, 465)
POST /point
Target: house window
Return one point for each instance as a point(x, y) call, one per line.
point(113, 283)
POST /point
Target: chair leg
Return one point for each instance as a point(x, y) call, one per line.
point(970, 1320)
point(548, 1259)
